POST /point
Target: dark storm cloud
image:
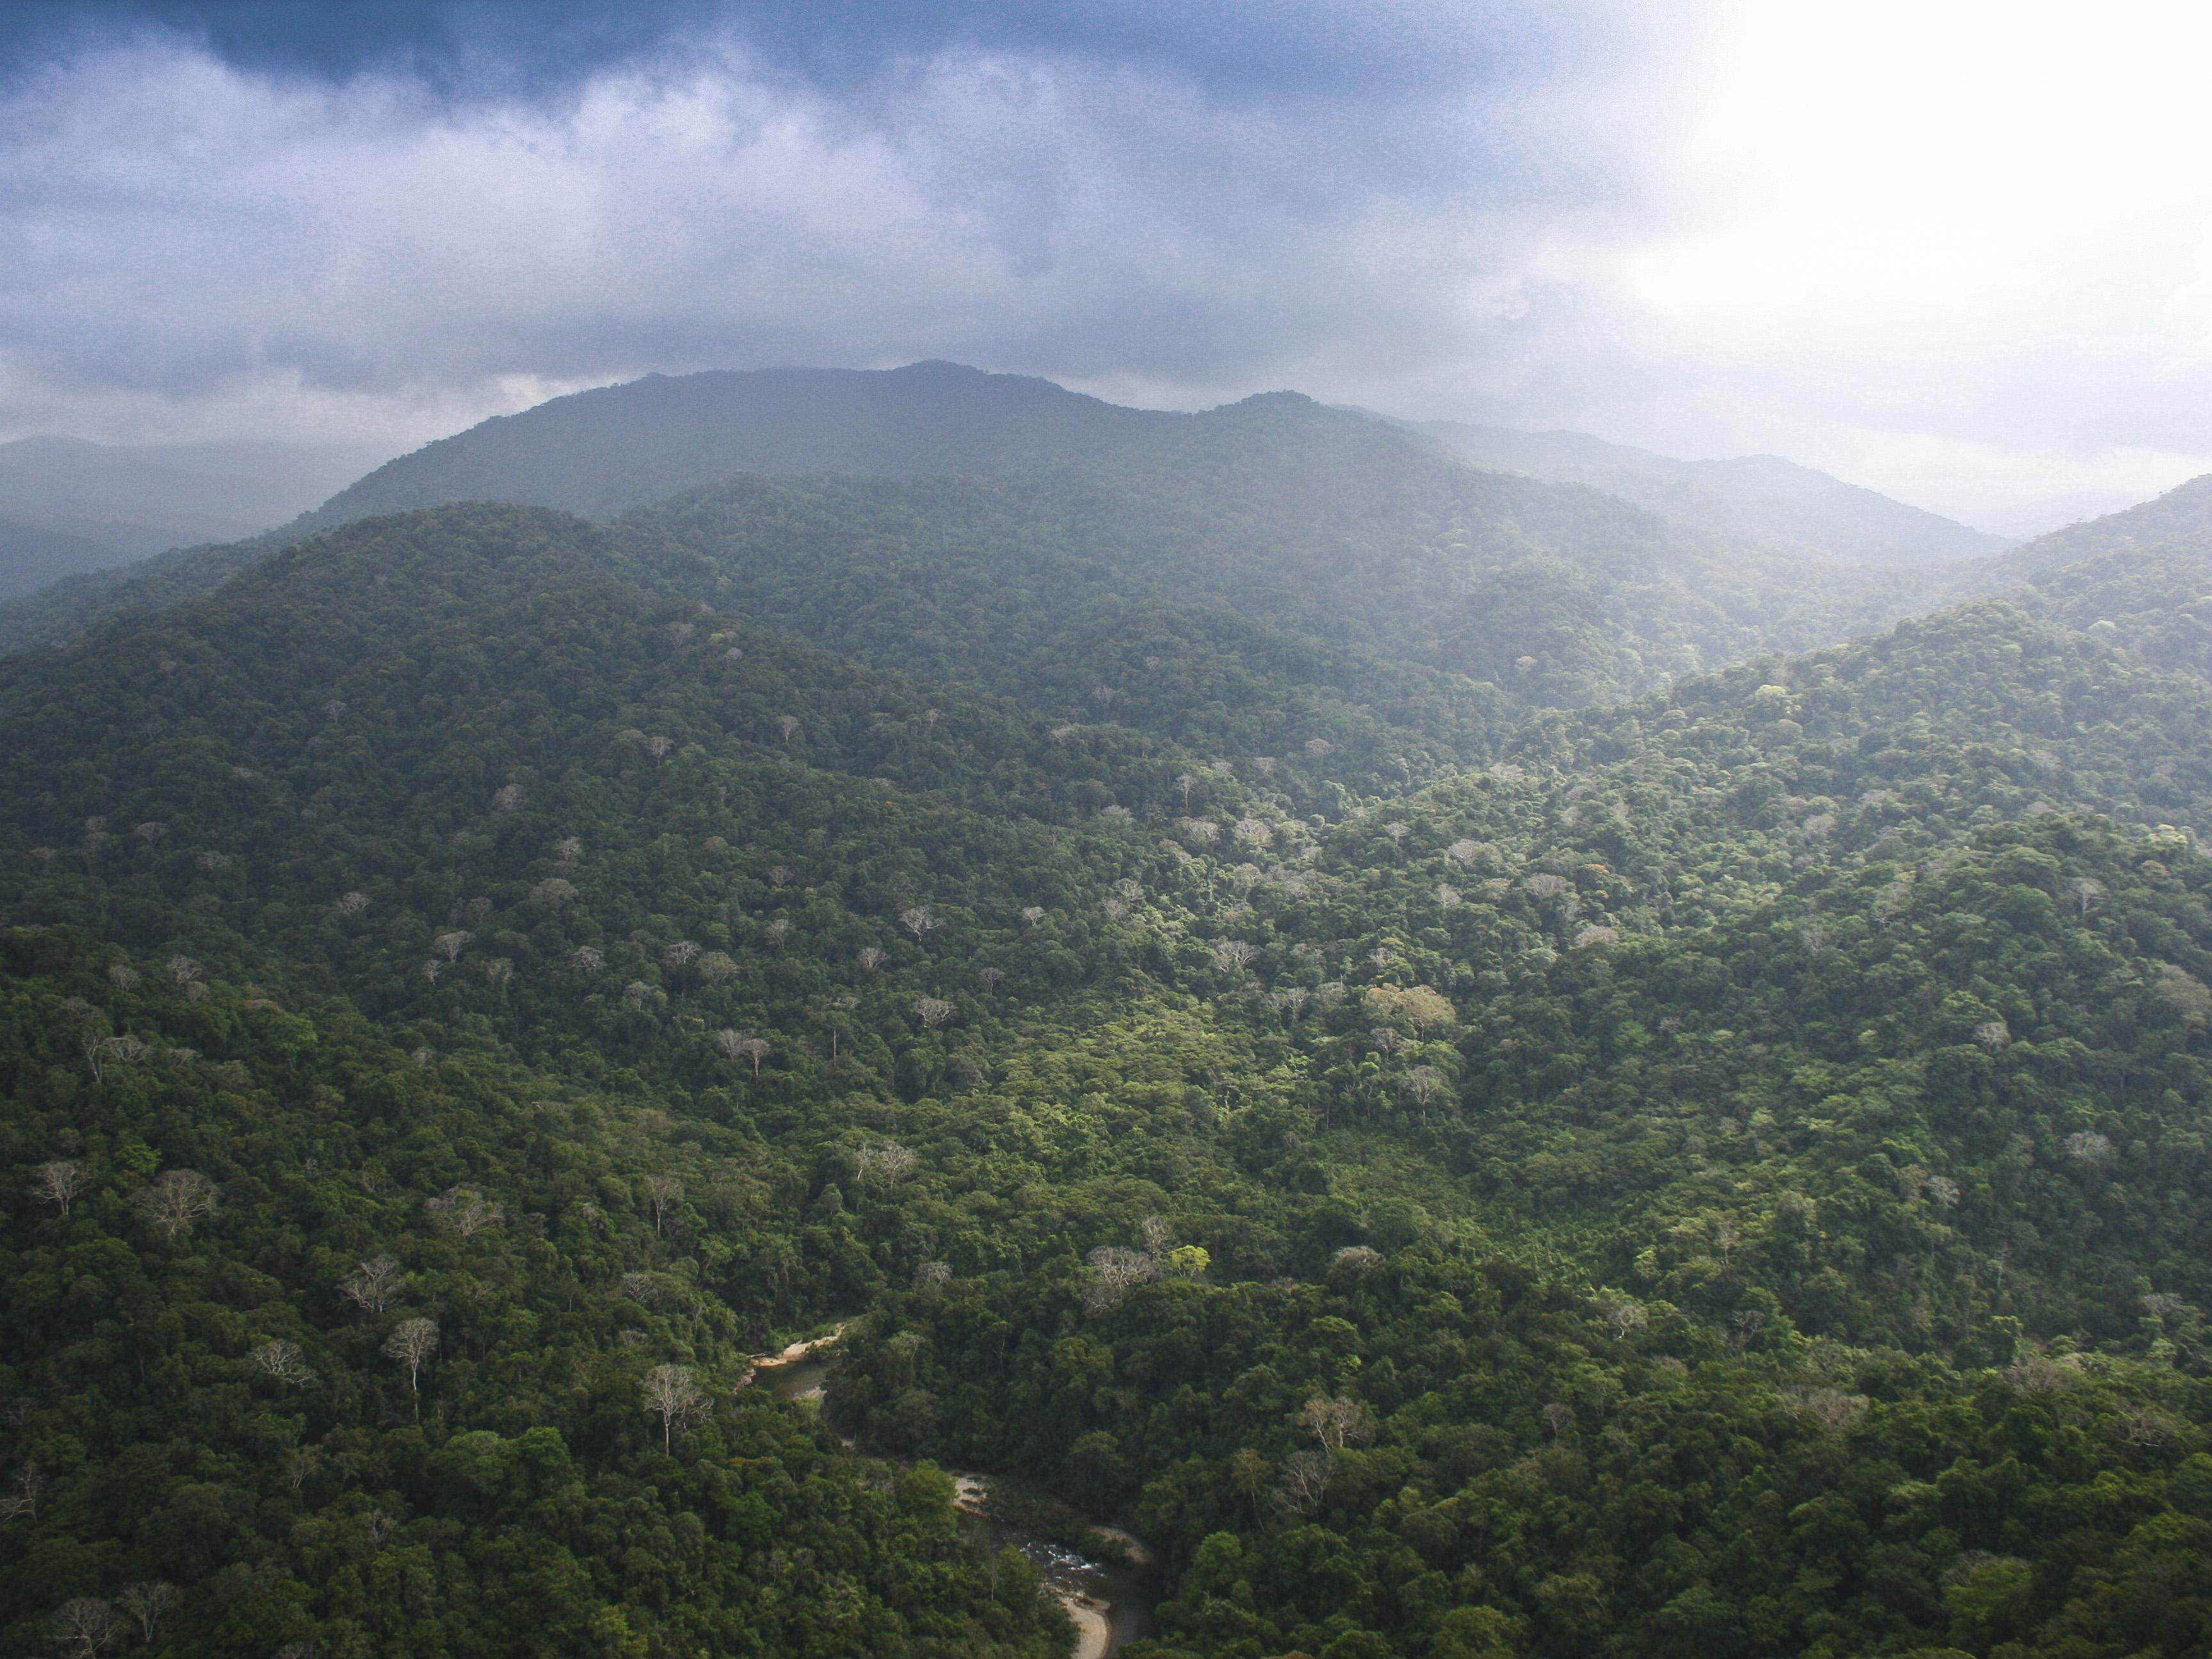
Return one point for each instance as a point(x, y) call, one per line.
point(394, 213)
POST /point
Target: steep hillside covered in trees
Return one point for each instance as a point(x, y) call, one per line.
point(1718, 1171)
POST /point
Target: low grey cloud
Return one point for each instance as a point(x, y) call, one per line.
point(1749, 229)
point(191, 240)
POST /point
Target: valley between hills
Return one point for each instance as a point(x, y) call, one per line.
point(1489, 1070)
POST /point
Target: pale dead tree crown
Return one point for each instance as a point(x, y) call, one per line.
point(350, 904)
point(125, 1050)
point(1115, 1272)
point(411, 1344)
point(670, 1394)
point(450, 945)
point(21, 1499)
point(2087, 1147)
point(1336, 1423)
point(87, 1626)
point(1234, 954)
point(871, 958)
point(283, 1361)
point(122, 975)
point(663, 1193)
point(175, 1199)
point(1302, 1484)
point(884, 1163)
point(372, 1284)
point(919, 920)
point(933, 1011)
point(61, 1182)
point(786, 724)
point(150, 1602)
point(1032, 914)
point(463, 1210)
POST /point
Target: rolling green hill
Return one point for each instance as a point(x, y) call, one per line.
point(1720, 1168)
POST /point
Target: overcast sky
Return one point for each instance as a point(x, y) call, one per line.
point(1954, 249)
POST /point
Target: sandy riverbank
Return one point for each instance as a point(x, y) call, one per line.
point(1094, 1630)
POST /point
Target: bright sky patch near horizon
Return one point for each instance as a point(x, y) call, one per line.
point(1957, 250)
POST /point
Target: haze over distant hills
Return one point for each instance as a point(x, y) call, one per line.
point(1353, 532)
point(67, 505)
point(596, 453)
point(1361, 1016)
point(1756, 498)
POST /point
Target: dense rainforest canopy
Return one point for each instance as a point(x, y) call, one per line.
point(1675, 1149)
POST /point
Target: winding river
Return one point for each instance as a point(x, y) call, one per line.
point(1112, 1602)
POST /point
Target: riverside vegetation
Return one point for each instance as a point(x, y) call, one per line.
point(1696, 1145)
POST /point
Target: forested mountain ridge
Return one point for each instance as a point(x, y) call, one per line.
point(1574, 1208)
point(1636, 599)
point(1325, 529)
point(1761, 499)
point(600, 452)
point(2182, 513)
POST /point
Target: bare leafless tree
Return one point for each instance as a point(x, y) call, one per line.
point(663, 1193)
point(283, 1361)
point(463, 1210)
point(1625, 1315)
point(670, 1395)
point(175, 1199)
point(411, 1343)
point(150, 1603)
point(933, 1012)
point(884, 1163)
point(61, 1182)
point(919, 920)
point(19, 1501)
point(587, 959)
point(122, 975)
point(1302, 1483)
point(1032, 914)
point(87, 1627)
point(124, 1050)
point(372, 1285)
point(786, 724)
point(1336, 1423)
point(872, 959)
point(1828, 1409)
point(1234, 956)
point(351, 904)
point(450, 945)
point(1114, 1272)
